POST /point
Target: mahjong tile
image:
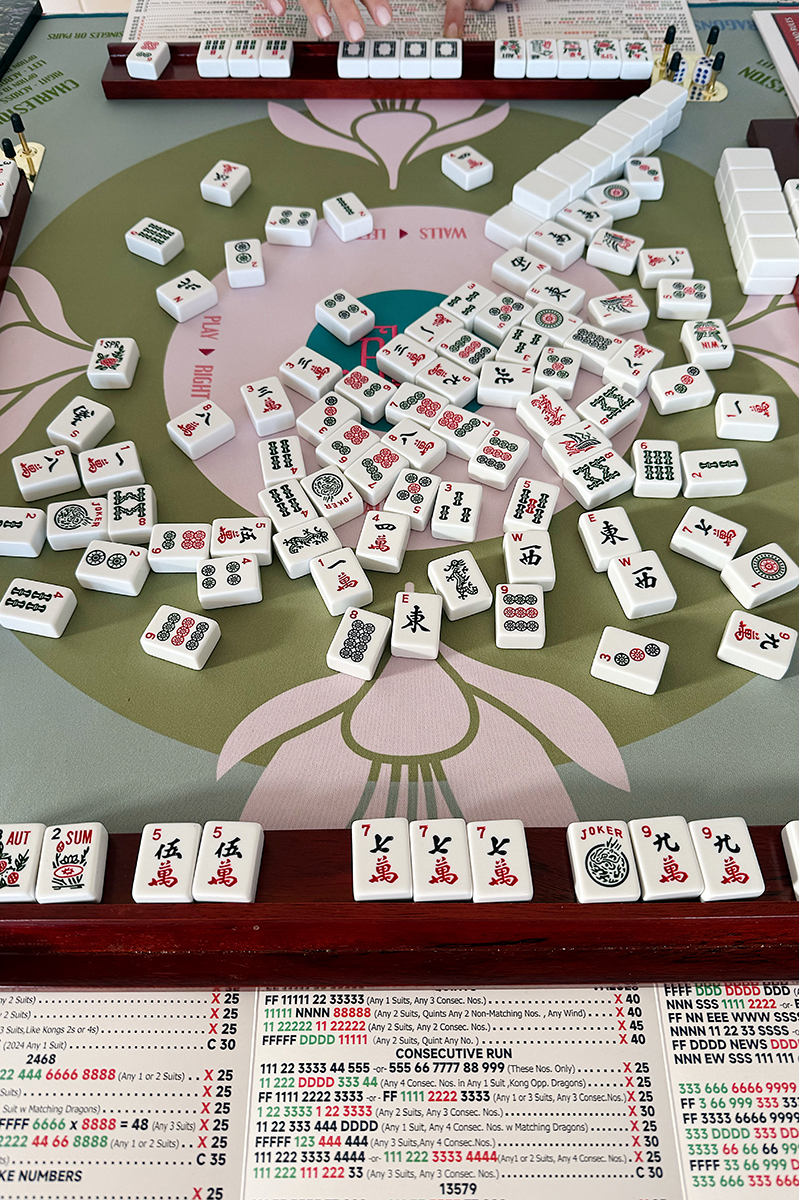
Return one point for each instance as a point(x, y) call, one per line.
point(542, 58)
point(44, 473)
point(619, 312)
point(310, 373)
point(602, 862)
point(383, 541)
point(584, 218)
point(712, 473)
point(466, 300)
point(572, 443)
point(727, 859)
point(243, 535)
point(456, 385)
point(594, 481)
point(165, 863)
point(554, 289)
point(646, 175)
point(243, 60)
point(678, 389)
point(611, 250)
point(275, 58)
point(287, 226)
point(596, 347)
point(297, 544)
point(456, 513)
point(244, 263)
point(132, 514)
point(466, 350)
point(569, 171)
point(413, 494)
point(352, 61)
point(467, 167)
point(113, 567)
point(500, 862)
point(180, 637)
point(116, 465)
point(460, 583)
point(707, 538)
point(30, 606)
point(212, 59)
point(614, 145)
point(227, 182)
point(632, 365)
point(81, 425)
point(323, 418)
point(344, 316)
point(462, 431)
point(667, 862)
point(604, 58)
point(657, 468)
point(333, 496)
point(228, 862)
point(184, 297)
point(521, 345)
point(154, 240)
point(403, 358)
point(510, 226)
point(618, 199)
point(757, 645)
point(200, 430)
point(683, 299)
point(609, 409)
point(747, 417)
point(347, 216)
point(368, 390)
point(636, 59)
point(516, 270)
point(384, 58)
point(374, 472)
point(519, 622)
point(72, 864)
point(606, 534)
point(72, 524)
point(440, 860)
point(510, 58)
point(359, 643)
point(228, 582)
point(669, 262)
point(545, 412)
point(629, 660)
point(642, 587)
point(627, 123)
point(341, 581)
point(415, 403)
point(416, 627)
point(531, 506)
point(285, 504)
point(557, 369)
point(20, 851)
point(22, 532)
point(433, 326)
point(707, 344)
point(655, 116)
point(556, 244)
point(268, 406)
point(499, 459)
point(760, 575)
point(281, 458)
point(503, 385)
point(552, 322)
point(178, 549)
point(790, 838)
point(423, 450)
point(381, 860)
point(573, 59)
point(345, 444)
point(529, 559)
point(541, 195)
point(494, 320)
point(415, 62)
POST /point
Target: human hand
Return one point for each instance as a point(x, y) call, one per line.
point(348, 14)
point(455, 12)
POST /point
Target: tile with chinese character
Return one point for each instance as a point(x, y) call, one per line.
point(440, 860)
point(416, 627)
point(667, 862)
point(529, 559)
point(239, 535)
point(384, 539)
point(228, 862)
point(341, 581)
point(500, 862)
point(165, 863)
point(607, 534)
point(200, 430)
point(727, 859)
point(381, 860)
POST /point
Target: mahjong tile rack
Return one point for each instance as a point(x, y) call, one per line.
point(304, 929)
point(781, 137)
point(314, 76)
point(10, 229)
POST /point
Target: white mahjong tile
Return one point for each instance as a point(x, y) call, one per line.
point(381, 860)
point(572, 443)
point(632, 365)
point(629, 660)
point(9, 173)
point(154, 240)
point(132, 514)
point(22, 532)
point(517, 270)
point(81, 425)
point(243, 64)
point(760, 575)
point(669, 262)
point(521, 345)
point(359, 643)
point(20, 851)
point(229, 582)
point(72, 864)
point(403, 358)
point(310, 373)
point(604, 58)
point(384, 58)
point(423, 450)
point(609, 409)
point(178, 549)
point(325, 416)
point(573, 60)
point(499, 459)
point(281, 458)
point(642, 587)
point(297, 544)
point(511, 225)
point(619, 312)
point(466, 350)
point(383, 541)
point(116, 465)
point(790, 843)
point(345, 444)
point(597, 348)
point(72, 524)
point(228, 862)
point(727, 859)
point(466, 300)
point(352, 60)
point(148, 59)
point(606, 533)
point(707, 538)
point(636, 59)
point(677, 389)
point(165, 863)
point(268, 406)
point(615, 146)
point(276, 58)
point(540, 195)
point(285, 504)
point(602, 862)
point(556, 244)
point(531, 506)
point(630, 125)
point(433, 326)
point(456, 385)
point(413, 494)
point(683, 299)
point(460, 583)
point(543, 413)
point(456, 514)
point(30, 606)
point(712, 473)
point(415, 60)
point(594, 481)
point(510, 58)
point(519, 622)
point(707, 344)
point(757, 645)
point(200, 430)
point(542, 58)
point(748, 417)
point(529, 559)
point(657, 468)
point(447, 58)
point(226, 182)
point(345, 316)
point(341, 581)
point(584, 218)
point(569, 171)
point(494, 319)
point(180, 637)
point(499, 861)
point(374, 472)
point(552, 322)
point(368, 390)
point(113, 567)
point(557, 369)
point(45, 473)
point(416, 627)
point(347, 217)
point(244, 263)
point(333, 496)
point(185, 297)
point(555, 289)
point(614, 251)
point(656, 118)
point(287, 226)
point(667, 862)
point(414, 402)
point(503, 385)
point(618, 199)
point(646, 175)
point(462, 431)
point(440, 860)
point(212, 58)
point(242, 535)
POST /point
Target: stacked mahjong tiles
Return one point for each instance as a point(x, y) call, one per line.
point(760, 220)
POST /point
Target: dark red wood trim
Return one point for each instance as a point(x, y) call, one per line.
point(11, 227)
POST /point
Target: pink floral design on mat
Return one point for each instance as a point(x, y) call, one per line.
point(767, 328)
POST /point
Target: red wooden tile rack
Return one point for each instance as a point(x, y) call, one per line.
point(314, 76)
point(11, 227)
point(304, 930)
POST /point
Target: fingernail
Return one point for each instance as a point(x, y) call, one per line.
point(452, 30)
point(383, 15)
point(355, 31)
point(323, 26)
point(276, 7)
